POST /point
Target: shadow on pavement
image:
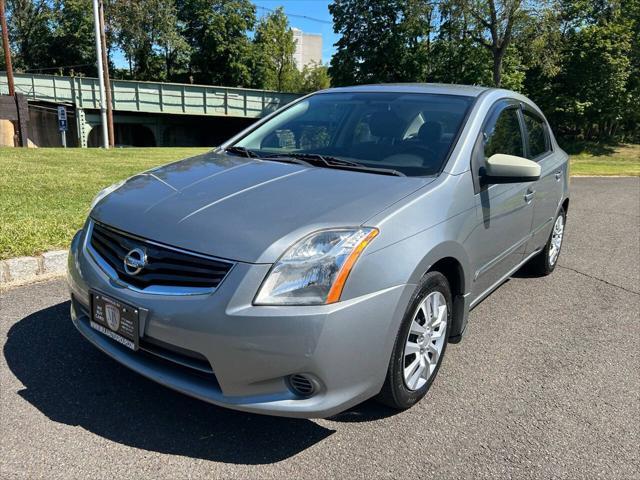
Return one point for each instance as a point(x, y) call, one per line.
point(365, 412)
point(71, 382)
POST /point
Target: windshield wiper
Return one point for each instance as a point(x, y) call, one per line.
point(325, 159)
point(285, 158)
point(244, 152)
point(378, 170)
point(334, 162)
point(309, 159)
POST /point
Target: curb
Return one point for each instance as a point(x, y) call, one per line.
point(21, 270)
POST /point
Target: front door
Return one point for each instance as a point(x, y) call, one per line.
point(504, 211)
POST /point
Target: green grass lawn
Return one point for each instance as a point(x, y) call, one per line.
point(606, 160)
point(45, 193)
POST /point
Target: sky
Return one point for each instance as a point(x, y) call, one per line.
point(311, 16)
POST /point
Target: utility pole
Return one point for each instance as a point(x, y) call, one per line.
point(107, 81)
point(103, 110)
point(7, 50)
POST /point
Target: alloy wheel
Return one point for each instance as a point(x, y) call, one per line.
point(556, 240)
point(425, 341)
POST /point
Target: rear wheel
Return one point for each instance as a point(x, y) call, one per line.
point(545, 262)
point(420, 343)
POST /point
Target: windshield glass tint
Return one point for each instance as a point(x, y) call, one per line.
point(408, 132)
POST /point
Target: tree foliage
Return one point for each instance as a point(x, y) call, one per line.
point(492, 25)
point(373, 45)
point(204, 41)
point(578, 59)
point(275, 46)
point(30, 32)
point(216, 31)
point(146, 31)
point(454, 55)
point(72, 38)
point(582, 70)
point(314, 78)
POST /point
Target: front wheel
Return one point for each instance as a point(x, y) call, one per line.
point(420, 344)
point(545, 262)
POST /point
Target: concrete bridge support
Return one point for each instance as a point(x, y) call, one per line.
point(153, 130)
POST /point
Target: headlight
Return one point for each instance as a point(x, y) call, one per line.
point(104, 192)
point(313, 271)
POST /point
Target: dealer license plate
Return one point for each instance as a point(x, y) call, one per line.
point(115, 319)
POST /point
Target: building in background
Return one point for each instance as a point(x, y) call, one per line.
point(308, 48)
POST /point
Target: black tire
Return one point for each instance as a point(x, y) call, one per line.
point(395, 392)
point(540, 265)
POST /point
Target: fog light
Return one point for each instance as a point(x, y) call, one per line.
point(302, 385)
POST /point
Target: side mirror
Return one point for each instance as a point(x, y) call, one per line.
point(502, 168)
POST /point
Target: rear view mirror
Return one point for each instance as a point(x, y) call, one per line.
point(502, 168)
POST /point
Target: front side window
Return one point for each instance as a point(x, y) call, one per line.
point(504, 135)
point(536, 134)
point(410, 133)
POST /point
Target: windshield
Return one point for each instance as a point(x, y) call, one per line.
point(411, 133)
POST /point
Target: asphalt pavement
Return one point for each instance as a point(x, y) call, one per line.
point(545, 384)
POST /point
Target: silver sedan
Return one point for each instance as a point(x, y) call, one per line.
point(328, 253)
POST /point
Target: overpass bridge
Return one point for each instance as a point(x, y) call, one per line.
point(168, 113)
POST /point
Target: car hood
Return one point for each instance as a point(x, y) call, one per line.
point(243, 209)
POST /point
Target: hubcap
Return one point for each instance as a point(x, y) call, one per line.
point(556, 240)
point(425, 340)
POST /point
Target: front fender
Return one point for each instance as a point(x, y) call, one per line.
point(405, 262)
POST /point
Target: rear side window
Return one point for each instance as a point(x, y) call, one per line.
point(504, 136)
point(536, 134)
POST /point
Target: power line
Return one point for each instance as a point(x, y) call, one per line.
point(313, 19)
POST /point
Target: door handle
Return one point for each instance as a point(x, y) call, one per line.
point(529, 195)
point(558, 174)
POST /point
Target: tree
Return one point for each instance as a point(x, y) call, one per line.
point(314, 78)
point(581, 68)
point(175, 50)
point(146, 32)
point(29, 32)
point(371, 47)
point(493, 25)
point(275, 68)
point(216, 31)
point(455, 56)
point(631, 113)
point(72, 46)
point(593, 83)
point(579, 60)
point(415, 30)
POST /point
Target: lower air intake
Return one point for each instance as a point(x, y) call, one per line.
point(301, 385)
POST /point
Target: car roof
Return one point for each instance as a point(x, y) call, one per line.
point(437, 88)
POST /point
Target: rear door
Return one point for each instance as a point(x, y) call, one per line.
point(548, 189)
point(504, 211)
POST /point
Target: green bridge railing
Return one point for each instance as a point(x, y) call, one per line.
point(150, 97)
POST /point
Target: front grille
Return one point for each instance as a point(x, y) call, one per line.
point(181, 356)
point(165, 266)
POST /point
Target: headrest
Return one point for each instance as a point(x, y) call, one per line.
point(385, 124)
point(430, 132)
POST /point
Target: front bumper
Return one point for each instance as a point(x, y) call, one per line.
point(344, 347)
